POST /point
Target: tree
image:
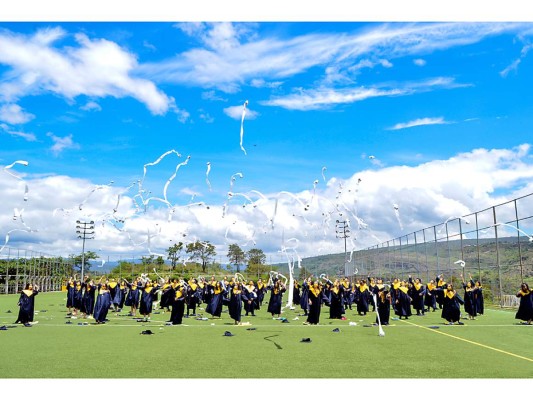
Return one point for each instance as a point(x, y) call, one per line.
point(256, 262)
point(203, 251)
point(236, 255)
point(87, 257)
point(174, 254)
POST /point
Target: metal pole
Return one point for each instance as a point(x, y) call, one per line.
point(497, 256)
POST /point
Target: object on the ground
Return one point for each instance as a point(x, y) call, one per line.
point(147, 332)
point(250, 329)
point(83, 323)
point(68, 322)
point(285, 321)
point(305, 340)
point(433, 327)
point(295, 319)
point(28, 325)
point(353, 324)
point(8, 312)
point(3, 328)
point(336, 330)
point(228, 333)
point(367, 326)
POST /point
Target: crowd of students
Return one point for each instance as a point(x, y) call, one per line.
point(94, 299)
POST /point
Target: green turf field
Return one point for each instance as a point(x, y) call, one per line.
point(492, 346)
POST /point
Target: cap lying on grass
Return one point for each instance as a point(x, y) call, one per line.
point(147, 332)
point(3, 328)
point(336, 330)
point(305, 340)
point(228, 333)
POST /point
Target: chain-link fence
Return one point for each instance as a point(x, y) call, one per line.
point(490, 245)
point(19, 267)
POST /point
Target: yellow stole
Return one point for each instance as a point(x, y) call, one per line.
point(449, 293)
point(148, 289)
point(193, 286)
point(235, 291)
point(260, 285)
point(431, 286)
point(112, 285)
point(179, 294)
point(362, 288)
point(315, 291)
point(396, 285)
point(417, 285)
point(403, 289)
point(345, 284)
point(524, 293)
point(28, 293)
point(335, 290)
point(218, 290)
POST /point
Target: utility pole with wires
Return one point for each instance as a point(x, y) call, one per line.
point(85, 230)
point(342, 231)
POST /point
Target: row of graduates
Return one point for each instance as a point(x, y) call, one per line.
point(401, 296)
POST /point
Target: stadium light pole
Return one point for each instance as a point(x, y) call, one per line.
point(85, 230)
point(342, 231)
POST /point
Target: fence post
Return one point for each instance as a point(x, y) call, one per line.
point(498, 256)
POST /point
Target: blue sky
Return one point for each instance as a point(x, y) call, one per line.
point(343, 120)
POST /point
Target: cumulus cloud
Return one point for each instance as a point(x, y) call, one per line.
point(14, 114)
point(419, 122)
point(419, 61)
point(61, 143)
point(91, 106)
point(426, 194)
point(94, 67)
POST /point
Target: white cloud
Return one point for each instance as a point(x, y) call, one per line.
point(419, 122)
point(235, 112)
point(96, 68)
point(61, 143)
point(419, 61)
point(514, 65)
point(91, 106)
point(426, 194)
point(30, 137)
point(14, 114)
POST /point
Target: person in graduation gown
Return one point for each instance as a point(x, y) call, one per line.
point(347, 293)
point(148, 295)
point(304, 297)
point(133, 296)
point(70, 295)
point(451, 305)
point(114, 291)
point(88, 298)
point(218, 293)
point(403, 301)
point(441, 284)
point(209, 290)
point(316, 298)
point(192, 297)
point(362, 296)
point(261, 290)
point(26, 304)
point(178, 296)
point(276, 297)
point(480, 302)
point(296, 294)
point(395, 289)
point(78, 297)
point(470, 298)
point(336, 304)
point(166, 295)
point(371, 289)
point(418, 291)
point(251, 298)
point(383, 299)
point(103, 303)
point(525, 309)
point(430, 299)
point(236, 297)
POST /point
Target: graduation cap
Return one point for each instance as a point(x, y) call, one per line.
point(3, 328)
point(306, 340)
point(68, 322)
point(83, 323)
point(228, 333)
point(250, 329)
point(285, 320)
point(147, 332)
point(336, 330)
point(433, 327)
point(27, 325)
point(8, 312)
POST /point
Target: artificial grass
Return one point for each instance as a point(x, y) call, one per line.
point(198, 349)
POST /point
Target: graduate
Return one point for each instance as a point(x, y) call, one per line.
point(103, 303)
point(70, 295)
point(133, 296)
point(480, 302)
point(441, 284)
point(209, 290)
point(78, 297)
point(250, 304)
point(384, 303)
point(336, 296)
point(27, 304)
point(304, 297)
point(236, 297)
point(276, 297)
point(430, 299)
point(525, 309)
point(347, 293)
point(148, 295)
point(261, 290)
point(451, 310)
point(316, 298)
point(361, 297)
point(418, 291)
point(166, 295)
point(296, 293)
point(178, 295)
point(88, 298)
point(470, 298)
point(218, 290)
point(371, 287)
point(403, 301)
point(115, 292)
point(193, 296)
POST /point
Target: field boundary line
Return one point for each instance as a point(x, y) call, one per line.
point(471, 342)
